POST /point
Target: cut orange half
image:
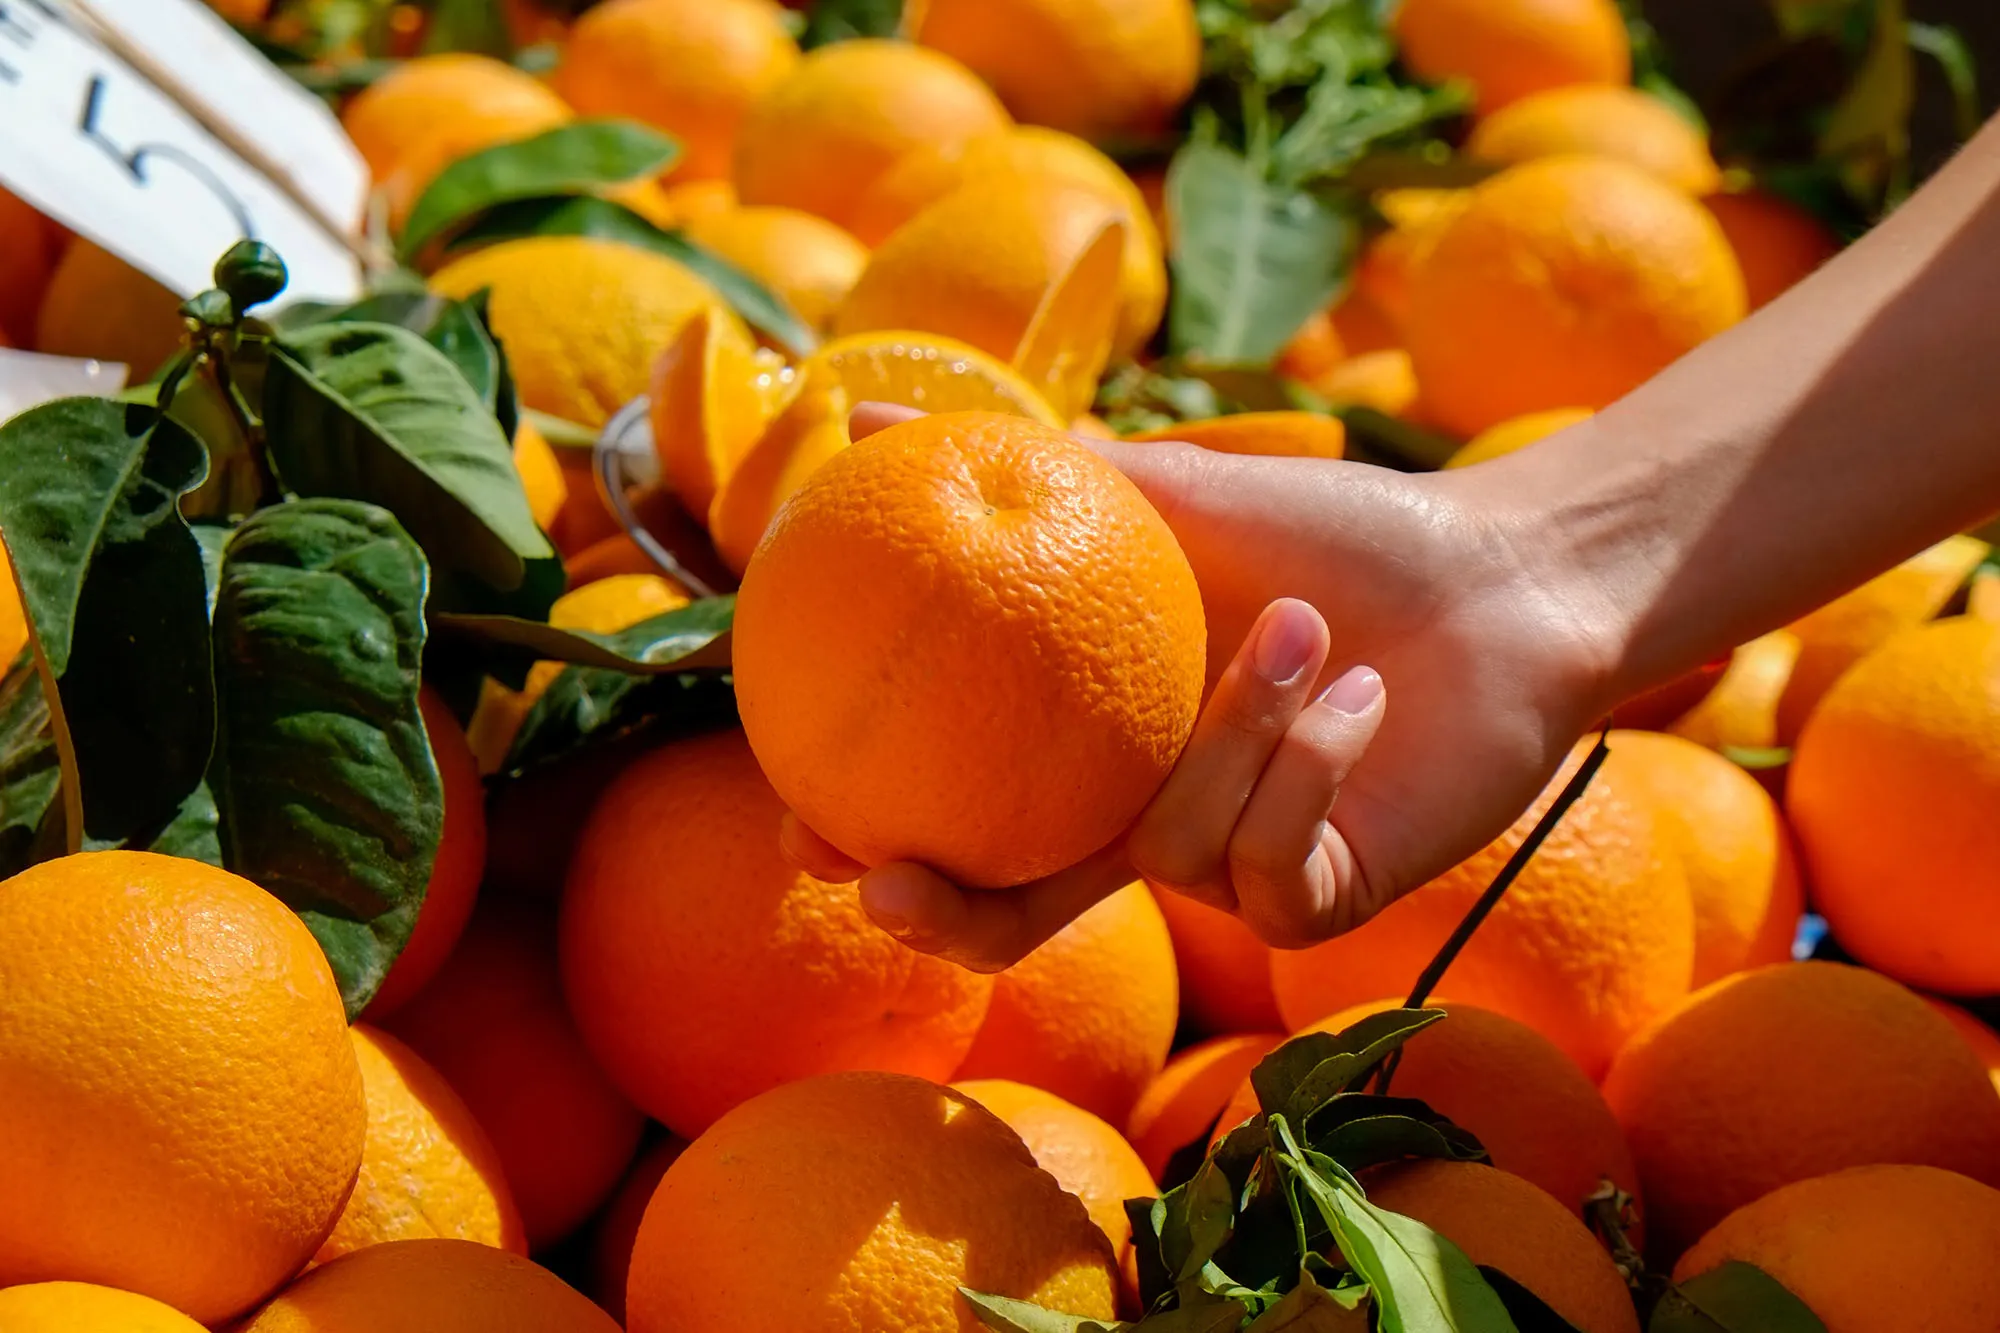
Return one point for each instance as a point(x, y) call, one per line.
point(924, 370)
point(711, 396)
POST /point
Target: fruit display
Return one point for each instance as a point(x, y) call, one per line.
point(457, 743)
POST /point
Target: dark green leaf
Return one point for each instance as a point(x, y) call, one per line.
point(453, 327)
point(1379, 438)
point(1209, 1206)
point(843, 20)
point(570, 159)
point(1868, 130)
point(468, 25)
point(688, 639)
point(1359, 1131)
point(1306, 1308)
point(323, 774)
point(1735, 1298)
point(111, 580)
point(1306, 1070)
point(30, 771)
point(1011, 1316)
point(584, 705)
point(1530, 1313)
point(587, 215)
point(1943, 44)
point(194, 832)
point(373, 412)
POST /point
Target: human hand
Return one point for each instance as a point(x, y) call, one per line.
point(1395, 673)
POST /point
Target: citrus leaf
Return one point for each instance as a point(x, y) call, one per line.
point(844, 20)
point(1206, 1217)
point(690, 638)
point(1294, 1079)
point(1359, 1130)
point(195, 831)
point(569, 159)
point(30, 771)
point(1306, 1308)
point(111, 581)
point(1531, 1314)
point(327, 791)
point(372, 412)
point(455, 328)
point(1011, 1316)
point(587, 215)
point(1735, 1298)
point(584, 705)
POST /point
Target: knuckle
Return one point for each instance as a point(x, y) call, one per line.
point(1173, 862)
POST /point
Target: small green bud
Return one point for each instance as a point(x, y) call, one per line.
point(209, 310)
point(251, 273)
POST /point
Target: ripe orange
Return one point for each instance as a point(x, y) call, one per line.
point(419, 98)
point(1893, 790)
point(493, 1023)
point(98, 306)
point(430, 1286)
point(541, 475)
point(461, 860)
point(1315, 348)
point(1102, 69)
point(969, 555)
point(1225, 970)
point(1777, 243)
point(1385, 381)
point(184, 1116)
point(704, 969)
point(1601, 121)
point(709, 400)
point(1090, 1015)
point(1389, 263)
point(28, 254)
point(1593, 940)
point(1363, 326)
point(692, 68)
point(1830, 1240)
point(1786, 1073)
point(1502, 1221)
point(1983, 1041)
point(618, 1225)
point(1508, 49)
point(1186, 1100)
point(1565, 282)
point(1087, 1157)
point(807, 261)
point(1733, 844)
point(914, 1191)
point(78, 1307)
point(1742, 709)
point(1271, 434)
point(820, 139)
point(13, 616)
point(1517, 433)
point(427, 1168)
point(688, 201)
point(801, 440)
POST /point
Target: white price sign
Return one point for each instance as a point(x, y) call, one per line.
point(170, 165)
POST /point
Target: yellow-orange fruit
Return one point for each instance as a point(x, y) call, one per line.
point(418, 98)
point(1786, 1073)
point(1777, 243)
point(1508, 49)
point(1518, 433)
point(618, 1227)
point(1269, 434)
point(1741, 710)
point(13, 616)
point(1187, 1098)
point(709, 401)
point(1225, 970)
point(430, 1286)
point(98, 306)
point(79, 1307)
point(969, 556)
point(542, 478)
point(1602, 121)
point(805, 260)
point(183, 1114)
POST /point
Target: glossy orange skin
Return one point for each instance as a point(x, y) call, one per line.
point(79, 1307)
point(618, 1225)
point(1225, 970)
point(1509, 49)
point(419, 97)
point(1187, 1098)
point(430, 1286)
point(1605, 121)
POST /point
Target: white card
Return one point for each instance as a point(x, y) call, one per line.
point(29, 379)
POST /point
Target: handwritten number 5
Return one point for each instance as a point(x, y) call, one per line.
point(136, 160)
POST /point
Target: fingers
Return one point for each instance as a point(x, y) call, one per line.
point(814, 854)
point(867, 418)
point(986, 930)
point(1182, 840)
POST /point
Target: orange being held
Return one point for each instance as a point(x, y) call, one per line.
point(617, 1227)
point(184, 1114)
point(1269, 434)
point(704, 969)
point(915, 1192)
point(968, 555)
point(1788, 1072)
point(80, 1307)
point(1090, 1015)
point(427, 1168)
point(1186, 1099)
point(806, 261)
point(1600, 120)
point(1225, 970)
point(1777, 243)
point(1565, 282)
point(1509, 49)
point(1893, 790)
point(430, 1286)
point(1593, 940)
point(845, 114)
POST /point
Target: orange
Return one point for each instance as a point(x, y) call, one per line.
point(1893, 789)
point(806, 261)
point(692, 68)
point(1786, 1073)
point(78, 1307)
point(1225, 970)
point(461, 860)
point(427, 1168)
point(1845, 630)
point(969, 555)
point(493, 1023)
point(1186, 1100)
point(1102, 69)
point(1271, 434)
point(709, 400)
point(1830, 1240)
point(28, 254)
point(915, 1191)
point(1741, 871)
point(1389, 263)
point(1363, 326)
point(1593, 940)
point(1024, 268)
point(1982, 595)
point(820, 139)
point(1777, 243)
point(582, 319)
point(1602, 121)
point(430, 1286)
point(1385, 381)
point(1313, 350)
point(419, 164)
point(1502, 1221)
point(1527, 1103)
point(925, 370)
point(1518, 433)
point(1092, 427)
point(183, 1116)
point(541, 474)
point(704, 969)
point(98, 306)
point(927, 175)
point(1087, 1157)
point(1983, 1041)
point(1565, 282)
point(419, 98)
point(1741, 711)
point(1508, 49)
point(618, 1227)
point(687, 201)
point(1090, 1015)
point(13, 616)
point(810, 431)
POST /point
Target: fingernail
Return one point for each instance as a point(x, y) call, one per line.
point(890, 904)
point(1285, 644)
point(1354, 693)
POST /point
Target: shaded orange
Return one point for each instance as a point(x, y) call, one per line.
point(99, 307)
point(1385, 381)
point(1186, 1100)
point(806, 261)
point(1517, 433)
point(1984, 1042)
point(1742, 710)
point(1313, 350)
point(1603, 121)
point(430, 1286)
point(541, 474)
point(809, 432)
point(448, 92)
point(1225, 970)
point(1777, 243)
point(618, 1227)
point(1508, 49)
point(709, 401)
point(28, 254)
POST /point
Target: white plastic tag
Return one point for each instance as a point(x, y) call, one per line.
point(29, 379)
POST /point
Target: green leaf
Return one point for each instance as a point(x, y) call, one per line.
point(1207, 1217)
point(1396, 443)
point(1942, 43)
point(31, 819)
point(1868, 130)
point(1252, 260)
point(587, 215)
point(468, 25)
point(844, 20)
point(111, 580)
point(570, 159)
point(690, 638)
point(587, 705)
point(1359, 1130)
point(1294, 1079)
point(323, 774)
point(1011, 1316)
point(194, 832)
point(1530, 1313)
point(1735, 1298)
point(372, 412)
point(453, 327)
point(1306, 1308)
